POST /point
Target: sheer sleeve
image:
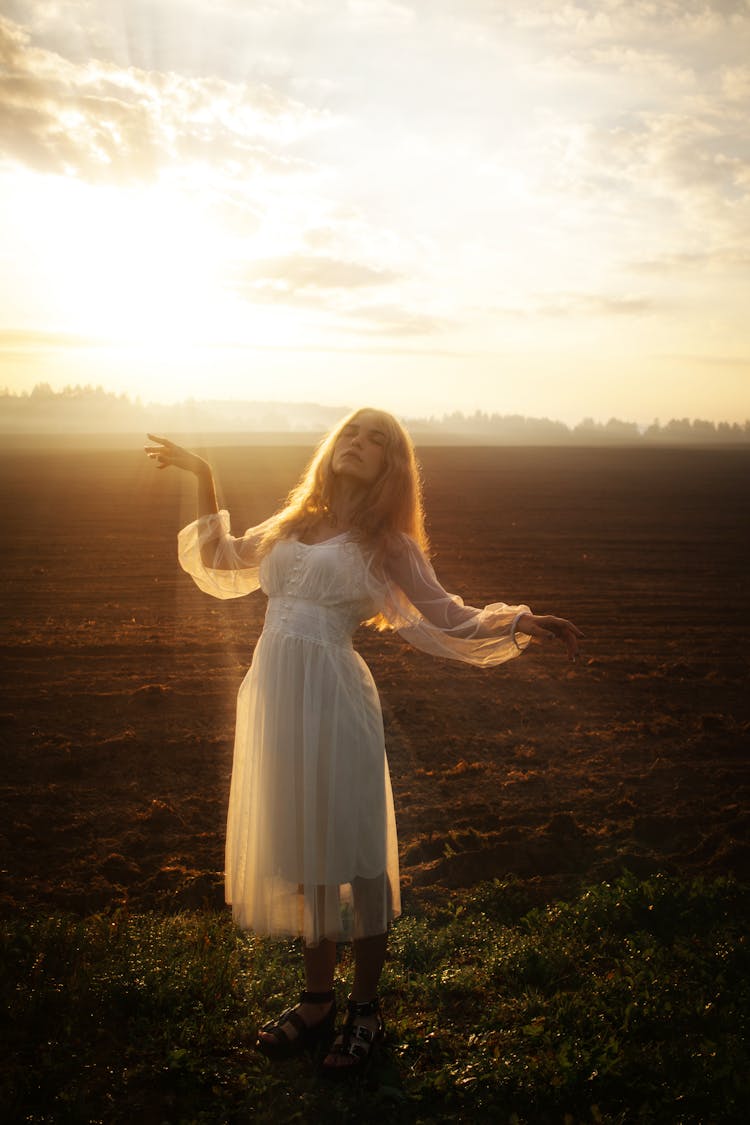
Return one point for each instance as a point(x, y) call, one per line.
point(412, 600)
point(236, 566)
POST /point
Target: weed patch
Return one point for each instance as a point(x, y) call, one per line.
point(627, 1004)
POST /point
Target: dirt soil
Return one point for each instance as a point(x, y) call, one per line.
point(120, 676)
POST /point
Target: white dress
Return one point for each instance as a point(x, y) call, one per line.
point(311, 847)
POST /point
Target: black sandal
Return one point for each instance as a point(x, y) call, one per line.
point(358, 1041)
point(286, 1046)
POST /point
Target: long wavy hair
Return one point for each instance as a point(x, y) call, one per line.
point(392, 503)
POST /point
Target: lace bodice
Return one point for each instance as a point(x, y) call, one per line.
point(316, 591)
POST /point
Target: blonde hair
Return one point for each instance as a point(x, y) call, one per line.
point(392, 503)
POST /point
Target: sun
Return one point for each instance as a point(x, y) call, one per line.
point(139, 269)
point(142, 266)
point(152, 277)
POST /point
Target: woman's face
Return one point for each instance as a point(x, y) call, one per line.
point(359, 451)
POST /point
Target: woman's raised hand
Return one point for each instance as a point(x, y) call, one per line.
point(167, 453)
point(546, 627)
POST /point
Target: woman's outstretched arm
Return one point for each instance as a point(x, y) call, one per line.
point(416, 603)
point(167, 453)
point(219, 563)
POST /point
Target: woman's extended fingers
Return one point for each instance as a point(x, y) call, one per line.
point(166, 452)
point(162, 441)
point(158, 453)
point(565, 631)
point(568, 633)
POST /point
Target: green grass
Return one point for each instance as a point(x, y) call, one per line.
point(629, 1004)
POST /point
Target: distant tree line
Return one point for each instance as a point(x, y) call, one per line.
point(91, 409)
point(88, 409)
point(544, 431)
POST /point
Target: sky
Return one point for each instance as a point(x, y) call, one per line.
point(429, 205)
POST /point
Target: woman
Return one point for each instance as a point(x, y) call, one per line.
point(311, 845)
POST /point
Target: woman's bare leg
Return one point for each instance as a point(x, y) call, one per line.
point(369, 957)
point(320, 964)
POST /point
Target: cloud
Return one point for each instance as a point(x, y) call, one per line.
point(585, 305)
point(304, 272)
point(735, 81)
point(335, 286)
point(724, 259)
point(738, 362)
point(586, 23)
point(595, 304)
point(106, 123)
point(634, 117)
point(310, 281)
point(699, 161)
point(383, 14)
point(394, 320)
point(658, 175)
point(25, 340)
point(642, 64)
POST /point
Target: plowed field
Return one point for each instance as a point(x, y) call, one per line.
point(120, 676)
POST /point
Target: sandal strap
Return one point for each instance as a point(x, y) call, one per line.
point(367, 1008)
point(316, 997)
point(356, 1050)
point(358, 1040)
point(276, 1027)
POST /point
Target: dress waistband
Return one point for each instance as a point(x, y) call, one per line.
point(327, 625)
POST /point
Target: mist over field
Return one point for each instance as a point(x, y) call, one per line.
point(94, 411)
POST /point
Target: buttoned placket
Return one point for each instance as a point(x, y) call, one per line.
point(293, 581)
